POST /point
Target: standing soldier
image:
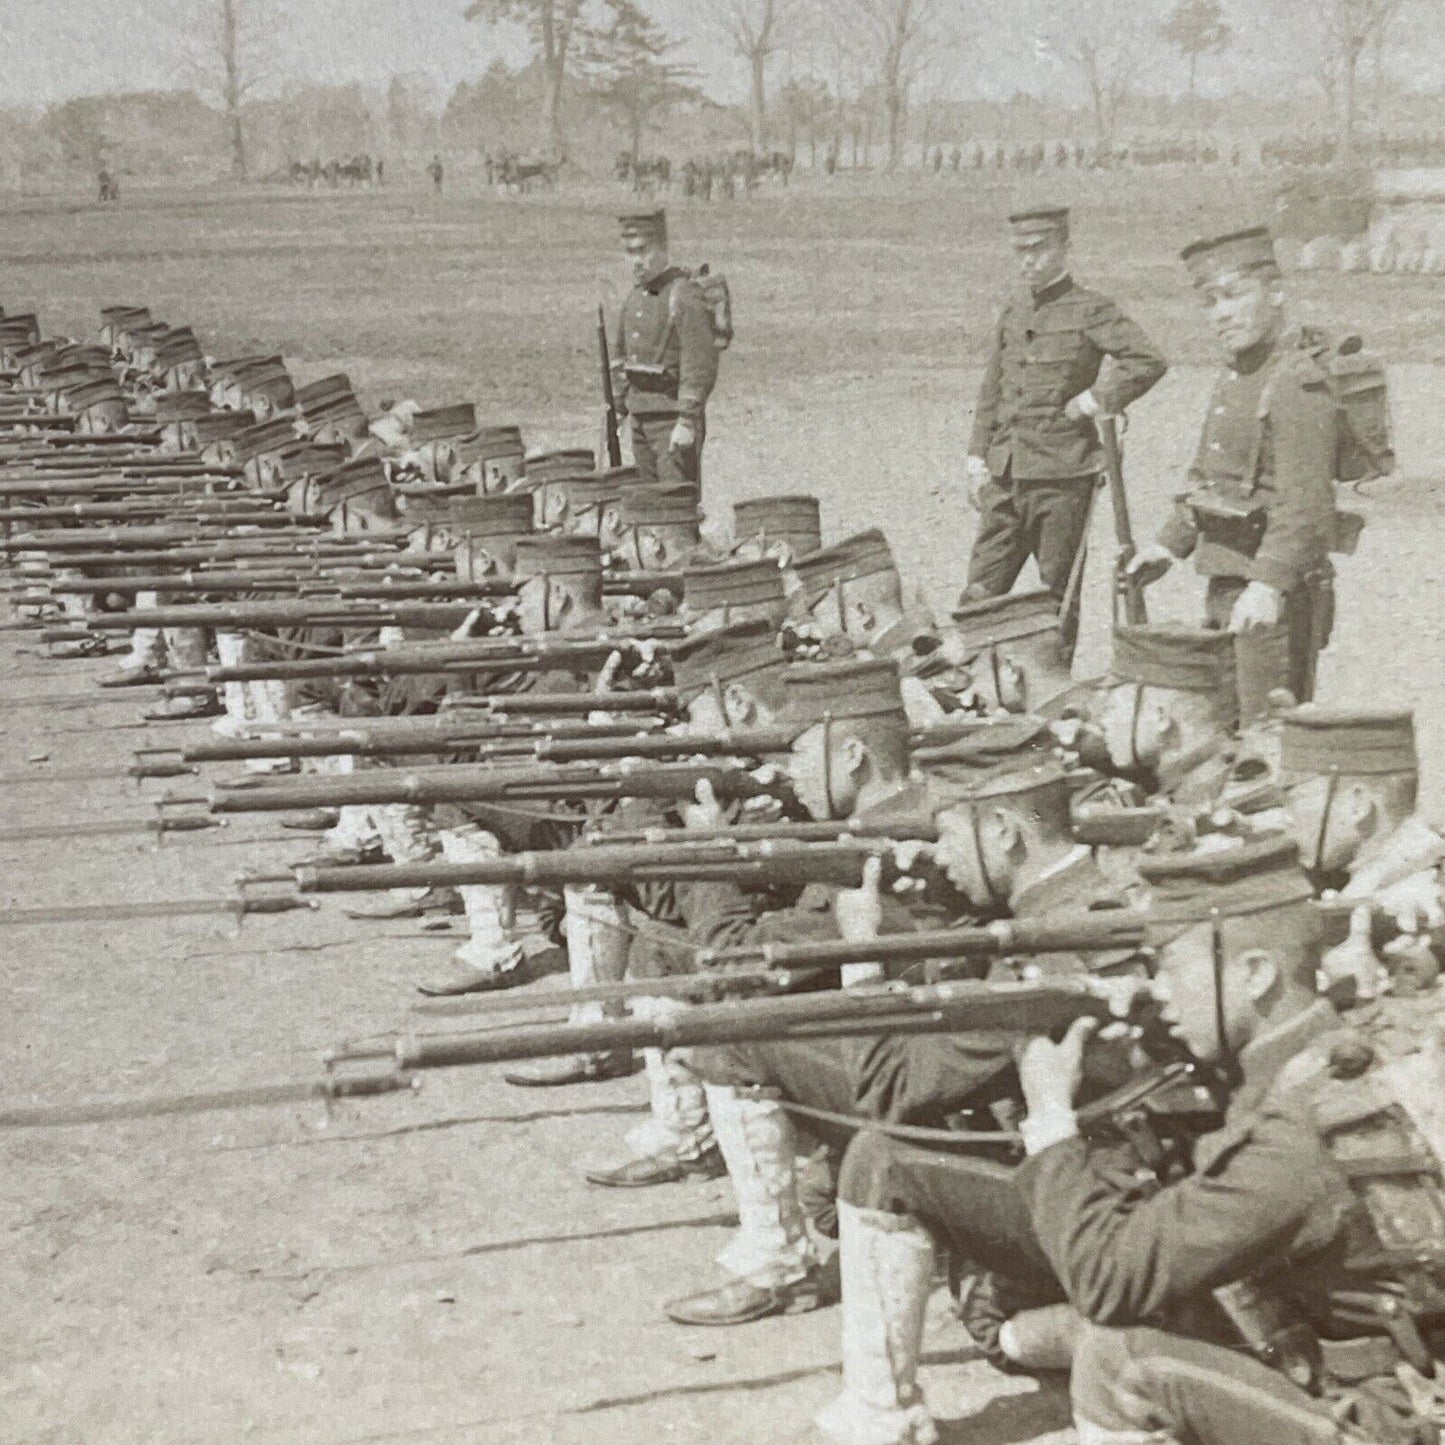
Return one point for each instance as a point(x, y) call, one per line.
point(437, 173)
point(667, 356)
point(1260, 518)
point(1034, 459)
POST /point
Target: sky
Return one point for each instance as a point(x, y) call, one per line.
point(53, 49)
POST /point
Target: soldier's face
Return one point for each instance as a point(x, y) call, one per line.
point(646, 258)
point(979, 848)
point(1243, 309)
point(1192, 998)
point(1041, 259)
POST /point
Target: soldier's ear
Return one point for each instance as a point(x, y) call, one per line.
point(853, 755)
point(1262, 974)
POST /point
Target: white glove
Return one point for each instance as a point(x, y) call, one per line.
point(684, 436)
point(1086, 404)
point(976, 476)
point(1259, 605)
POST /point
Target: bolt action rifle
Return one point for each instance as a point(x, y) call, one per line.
point(611, 417)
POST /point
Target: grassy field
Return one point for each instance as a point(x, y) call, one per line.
point(432, 1268)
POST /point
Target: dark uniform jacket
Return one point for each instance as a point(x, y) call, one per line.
point(1265, 1198)
point(1263, 504)
point(666, 349)
point(1047, 349)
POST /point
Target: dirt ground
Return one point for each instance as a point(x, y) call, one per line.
point(432, 1267)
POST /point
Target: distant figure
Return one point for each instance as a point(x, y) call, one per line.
point(380, 171)
point(490, 167)
point(437, 174)
point(937, 160)
point(830, 157)
point(109, 187)
point(955, 158)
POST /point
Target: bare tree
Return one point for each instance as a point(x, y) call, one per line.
point(1106, 45)
point(756, 30)
point(902, 37)
point(226, 42)
point(1347, 29)
point(553, 25)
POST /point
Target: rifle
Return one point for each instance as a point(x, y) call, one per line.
point(837, 1013)
point(122, 539)
point(520, 654)
point(370, 1068)
point(273, 612)
point(609, 395)
point(464, 783)
point(753, 865)
point(1127, 591)
point(1080, 933)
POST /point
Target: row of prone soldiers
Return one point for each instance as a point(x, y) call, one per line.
point(1252, 1250)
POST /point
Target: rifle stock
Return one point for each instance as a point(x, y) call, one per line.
point(1128, 592)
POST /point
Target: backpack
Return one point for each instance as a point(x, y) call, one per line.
point(1357, 383)
point(716, 297)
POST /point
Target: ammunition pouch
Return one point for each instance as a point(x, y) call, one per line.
point(649, 379)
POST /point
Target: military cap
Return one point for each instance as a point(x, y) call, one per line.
point(343, 411)
point(506, 514)
point(559, 462)
point(548, 554)
point(67, 378)
point(1209, 258)
point(1040, 221)
point(625, 476)
point(842, 692)
point(361, 484)
point(986, 748)
point(1182, 659)
point(323, 393)
point(1357, 742)
point(651, 224)
point(443, 423)
point(124, 315)
point(215, 426)
point(790, 518)
point(98, 392)
point(734, 584)
point(651, 505)
point(992, 620)
point(174, 406)
point(866, 554)
point(177, 348)
point(306, 459)
point(489, 443)
point(1258, 876)
point(743, 650)
point(265, 438)
point(267, 377)
point(81, 354)
point(23, 329)
point(230, 367)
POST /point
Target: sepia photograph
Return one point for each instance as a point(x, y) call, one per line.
point(715, 722)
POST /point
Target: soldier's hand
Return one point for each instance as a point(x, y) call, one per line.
point(1150, 563)
point(704, 814)
point(859, 911)
point(1081, 406)
point(976, 476)
point(1413, 904)
point(1259, 605)
point(684, 436)
point(1051, 1072)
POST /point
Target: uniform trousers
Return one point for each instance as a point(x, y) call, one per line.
point(1141, 1386)
point(1284, 656)
point(1045, 520)
point(655, 458)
